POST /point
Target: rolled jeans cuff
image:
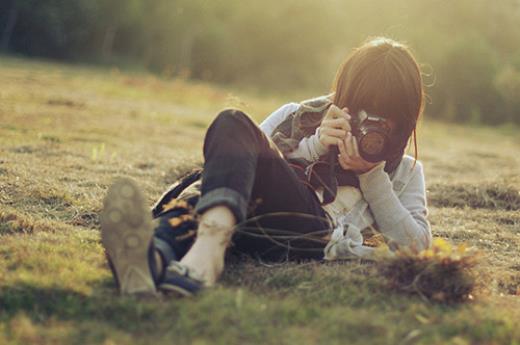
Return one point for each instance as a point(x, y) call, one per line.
point(223, 196)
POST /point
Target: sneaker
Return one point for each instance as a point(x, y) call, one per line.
point(126, 234)
point(180, 280)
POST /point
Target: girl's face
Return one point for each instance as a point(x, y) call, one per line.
point(382, 77)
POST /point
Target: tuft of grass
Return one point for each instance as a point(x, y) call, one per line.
point(442, 273)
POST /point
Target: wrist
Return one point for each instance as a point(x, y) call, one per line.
point(374, 183)
point(321, 148)
point(368, 174)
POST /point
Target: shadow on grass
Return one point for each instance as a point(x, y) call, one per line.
point(327, 285)
point(104, 305)
point(352, 284)
point(334, 300)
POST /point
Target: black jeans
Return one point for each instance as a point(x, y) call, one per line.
point(279, 216)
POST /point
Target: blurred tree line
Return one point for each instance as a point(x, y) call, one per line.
point(470, 48)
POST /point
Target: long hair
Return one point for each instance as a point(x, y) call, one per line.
point(382, 77)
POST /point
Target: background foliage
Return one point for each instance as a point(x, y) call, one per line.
point(469, 48)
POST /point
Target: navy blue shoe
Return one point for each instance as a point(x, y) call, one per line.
point(180, 280)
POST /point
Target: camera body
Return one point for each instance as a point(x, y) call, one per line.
point(372, 134)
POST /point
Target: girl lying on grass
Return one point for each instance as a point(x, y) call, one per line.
point(308, 183)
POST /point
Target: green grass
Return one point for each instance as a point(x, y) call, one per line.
point(67, 131)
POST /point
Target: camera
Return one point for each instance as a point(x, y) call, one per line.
point(372, 134)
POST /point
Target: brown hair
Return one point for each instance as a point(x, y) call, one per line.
point(382, 77)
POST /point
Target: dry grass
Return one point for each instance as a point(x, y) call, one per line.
point(67, 131)
point(443, 273)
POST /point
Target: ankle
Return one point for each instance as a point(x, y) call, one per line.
point(212, 233)
point(206, 261)
point(220, 216)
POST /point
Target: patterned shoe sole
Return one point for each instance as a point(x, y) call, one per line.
point(126, 233)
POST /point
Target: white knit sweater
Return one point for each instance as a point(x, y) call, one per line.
point(394, 205)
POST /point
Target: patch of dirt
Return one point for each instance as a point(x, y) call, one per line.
point(12, 221)
point(510, 284)
point(180, 170)
point(65, 103)
point(86, 219)
point(511, 220)
point(24, 149)
point(145, 166)
point(54, 201)
point(488, 196)
point(484, 155)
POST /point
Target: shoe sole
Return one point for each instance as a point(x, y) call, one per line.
point(176, 291)
point(126, 234)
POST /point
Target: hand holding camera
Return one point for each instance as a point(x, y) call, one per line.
point(349, 157)
point(335, 125)
point(363, 140)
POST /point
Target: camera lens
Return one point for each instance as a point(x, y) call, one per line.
point(372, 146)
point(372, 143)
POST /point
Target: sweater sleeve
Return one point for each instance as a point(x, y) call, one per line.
point(309, 148)
point(402, 220)
point(272, 121)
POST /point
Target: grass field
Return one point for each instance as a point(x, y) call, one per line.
point(67, 131)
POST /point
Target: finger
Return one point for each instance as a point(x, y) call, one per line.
point(342, 163)
point(339, 123)
point(355, 153)
point(347, 113)
point(343, 156)
point(355, 148)
point(348, 144)
point(341, 147)
point(349, 128)
point(342, 153)
point(334, 132)
point(348, 160)
point(333, 112)
point(329, 141)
